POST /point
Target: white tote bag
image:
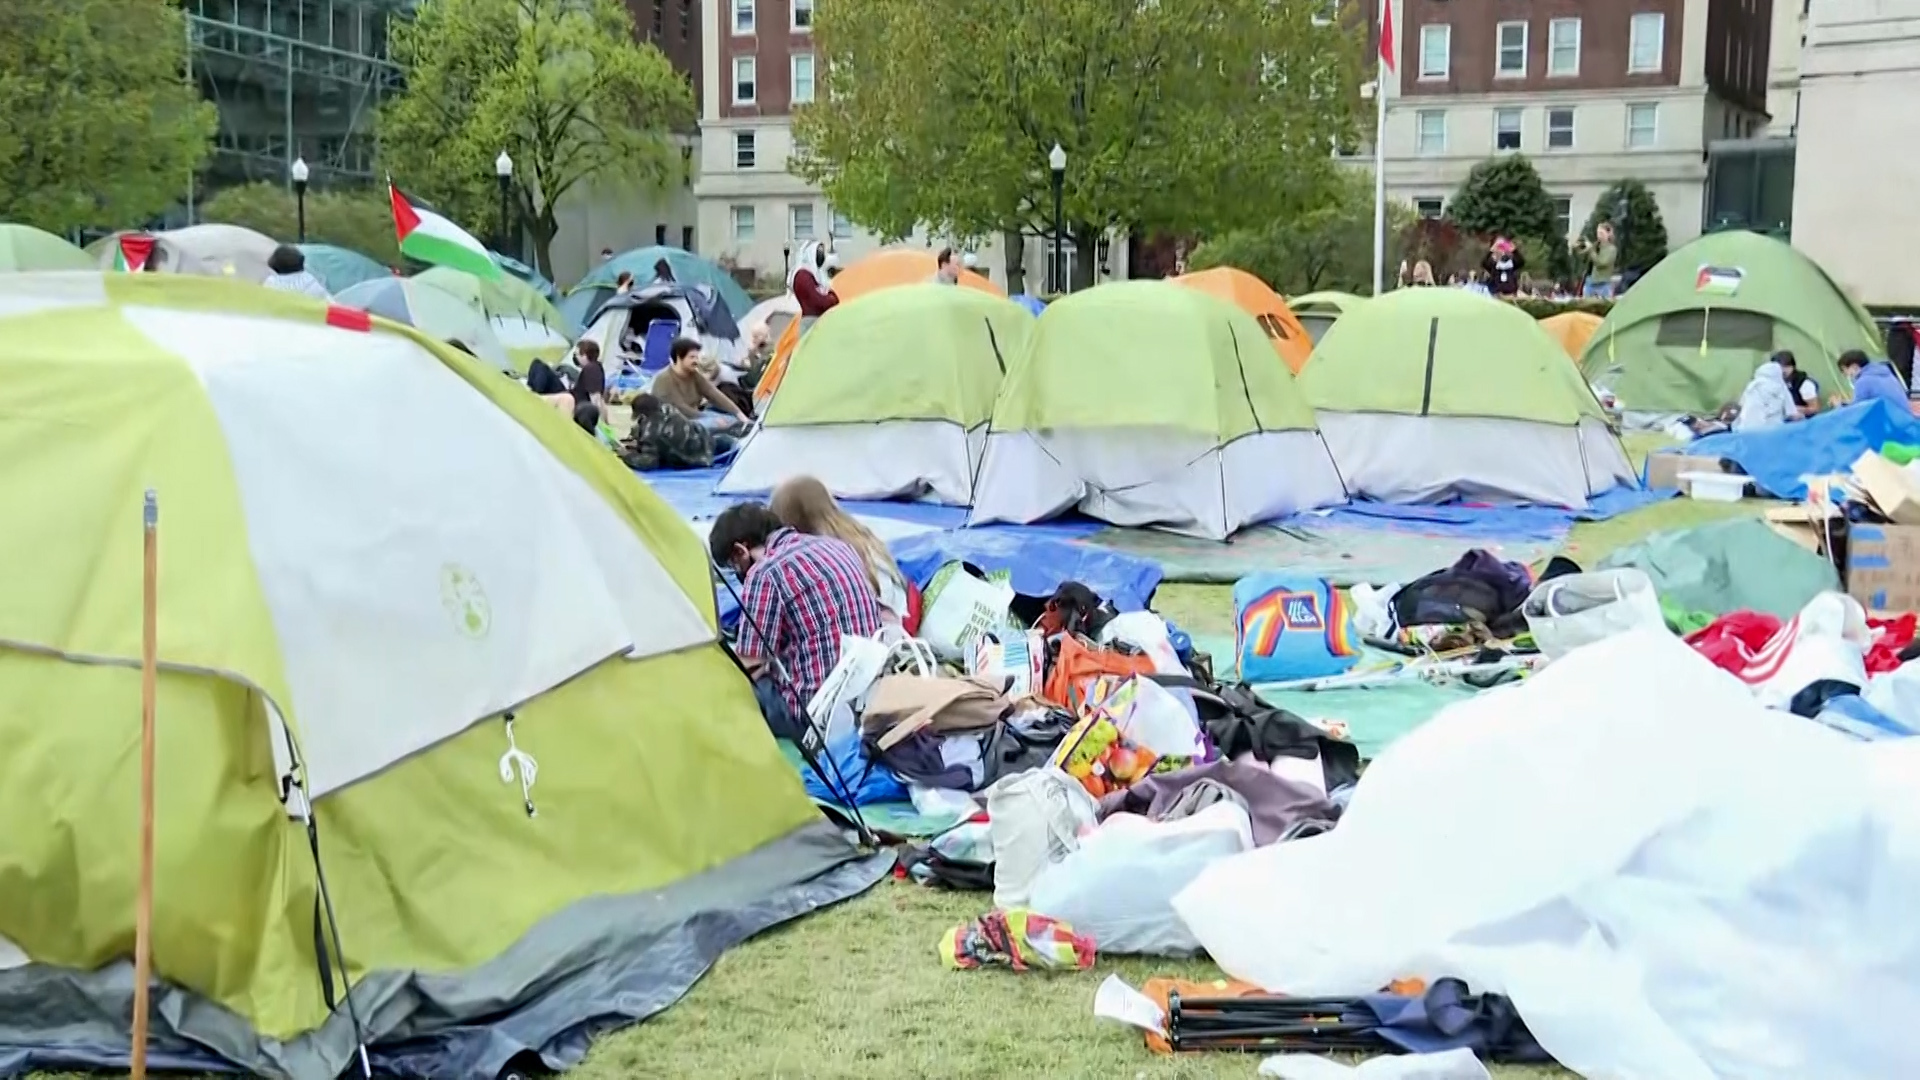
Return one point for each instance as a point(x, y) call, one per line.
point(1580, 609)
point(965, 608)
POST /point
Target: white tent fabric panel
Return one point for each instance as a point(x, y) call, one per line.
point(1736, 903)
point(427, 563)
point(1181, 482)
point(889, 459)
point(1419, 459)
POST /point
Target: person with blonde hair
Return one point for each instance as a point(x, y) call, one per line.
point(805, 505)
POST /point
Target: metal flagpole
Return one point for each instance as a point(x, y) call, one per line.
point(1384, 68)
point(143, 897)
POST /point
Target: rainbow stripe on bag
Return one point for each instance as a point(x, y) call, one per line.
point(1291, 626)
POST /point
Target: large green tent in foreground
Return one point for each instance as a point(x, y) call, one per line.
point(888, 395)
point(1432, 394)
point(1154, 404)
point(1687, 336)
point(399, 596)
point(24, 248)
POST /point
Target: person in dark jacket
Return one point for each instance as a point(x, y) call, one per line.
point(1503, 265)
point(663, 437)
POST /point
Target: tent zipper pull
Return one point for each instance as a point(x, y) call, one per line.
point(518, 764)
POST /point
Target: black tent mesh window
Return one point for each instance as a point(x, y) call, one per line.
point(1719, 329)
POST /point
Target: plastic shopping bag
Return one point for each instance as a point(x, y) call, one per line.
point(1565, 613)
point(964, 608)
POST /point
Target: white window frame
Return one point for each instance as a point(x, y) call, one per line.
point(751, 81)
point(1446, 51)
point(1419, 133)
point(794, 231)
point(794, 8)
point(1638, 26)
point(1653, 130)
point(744, 26)
point(1500, 49)
point(1326, 13)
point(793, 79)
point(1439, 203)
point(839, 225)
point(1554, 46)
point(1557, 200)
point(746, 150)
point(1519, 129)
point(739, 214)
point(1571, 129)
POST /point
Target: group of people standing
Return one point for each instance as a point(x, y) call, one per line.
point(1502, 272)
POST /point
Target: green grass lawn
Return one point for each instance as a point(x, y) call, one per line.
point(858, 992)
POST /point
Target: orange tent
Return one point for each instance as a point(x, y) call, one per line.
point(1572, 329)
point(880, 270)
point(1289, 338)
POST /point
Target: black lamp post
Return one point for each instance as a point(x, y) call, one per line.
point(786, 259)
point(299, 174)
point(1056, 263)
point(503, 171)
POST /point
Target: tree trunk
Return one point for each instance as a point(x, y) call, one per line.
point(542, 228)
point(1086, 249)
point(1013, 244)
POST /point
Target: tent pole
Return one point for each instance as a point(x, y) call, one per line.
point(149, 666)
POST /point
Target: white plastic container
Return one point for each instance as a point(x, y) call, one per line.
point(1715, 487)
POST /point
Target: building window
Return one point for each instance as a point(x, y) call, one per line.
point(686, 237)
point(802, 79)
point(742, 221)
point(686, 20)
point(1563, 47)
point(800, 221)
point(1436, 51)
point(1512, 63)
point(1067, 258)
point(1326, 12)
point(1506, 129)
point(745, 150)
point(1563, 214)
point(743, 16)
point(1430, 131)
point(1430, 209)
point(1643, 126)
point(1559, 129)
point(659, 30)
point(660, 235)
point(745, 78)
point(1646, 43)
point(802, 15)
point(842, 226)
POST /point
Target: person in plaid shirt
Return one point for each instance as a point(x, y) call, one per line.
point(799, 594)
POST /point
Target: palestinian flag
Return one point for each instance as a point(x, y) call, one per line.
point(430, 238)
point(131, 252)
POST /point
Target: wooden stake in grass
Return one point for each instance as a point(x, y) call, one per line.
point(149, 677)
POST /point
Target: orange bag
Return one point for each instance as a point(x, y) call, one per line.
point(1079, 664)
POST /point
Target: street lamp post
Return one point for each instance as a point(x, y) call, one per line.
point(1056, 266)
point(786, 258)
point(299, 174)
point(503, 171)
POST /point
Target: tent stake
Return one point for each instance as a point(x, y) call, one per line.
point(143, 899)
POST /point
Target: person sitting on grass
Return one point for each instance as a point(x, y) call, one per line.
point(682, 386)
point(798, 595)
point(1766, 402)
point(1872, 379)
point(805, 505)
point(665, 438)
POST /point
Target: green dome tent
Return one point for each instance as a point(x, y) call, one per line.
point(24, 248)
point(1318, 311)
point(1430, 394)
point(888, 396)
point(434, 312)
point(525, 321)
point(1154, 404)
point(687, 268)
point(386, 575)
point(1687, 336)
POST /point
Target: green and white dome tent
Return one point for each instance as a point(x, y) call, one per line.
point(888, 396)
point(391, 584)
point(1146, 403)
point(1431, 394)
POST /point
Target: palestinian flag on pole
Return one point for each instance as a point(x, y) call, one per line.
point(131, 252)
point(430, 238)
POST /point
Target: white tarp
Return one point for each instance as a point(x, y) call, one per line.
point(1671, 882)
point(426, 561)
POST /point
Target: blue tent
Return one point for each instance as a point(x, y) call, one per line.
point(340, 269)
point(1031, 302)
point(688, 268)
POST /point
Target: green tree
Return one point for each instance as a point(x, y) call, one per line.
point(1503, 196)
point(1179, 116)
point(1637, 225)
point(99, 126)
point(1327, 247)
point(359, 220)
point(562, 86)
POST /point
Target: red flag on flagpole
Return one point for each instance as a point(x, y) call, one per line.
point(1386, 35)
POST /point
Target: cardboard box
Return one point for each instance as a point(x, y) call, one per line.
point(1887, 485)
point(1806, 524)
point(1883, 567)
point(1663, 470)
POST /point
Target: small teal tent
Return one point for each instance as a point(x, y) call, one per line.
point(688, 268)
point(340, 269)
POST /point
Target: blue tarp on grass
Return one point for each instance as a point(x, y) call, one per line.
point(1828, 442)
point(1482, 521)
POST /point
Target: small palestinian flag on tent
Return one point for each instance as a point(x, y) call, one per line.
point(430, 238)
point(131, 252)
point(1719, 280)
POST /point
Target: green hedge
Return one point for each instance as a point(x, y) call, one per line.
point(1547, 309)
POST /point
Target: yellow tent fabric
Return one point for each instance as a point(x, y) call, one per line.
point(1572, 329)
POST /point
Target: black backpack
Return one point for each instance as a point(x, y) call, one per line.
point(1239, 721)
